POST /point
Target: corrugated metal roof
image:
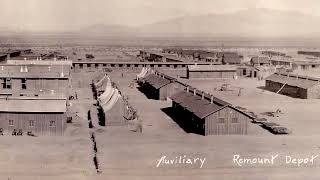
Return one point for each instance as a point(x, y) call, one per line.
point(156, 81)
point(212, 68)
point(32, 105)
point(294, 80)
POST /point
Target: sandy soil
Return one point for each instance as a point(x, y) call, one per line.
point(128, 154)
point(124, 154)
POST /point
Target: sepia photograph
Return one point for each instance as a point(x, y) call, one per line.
point(159, 89)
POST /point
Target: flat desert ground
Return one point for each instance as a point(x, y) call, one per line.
point(125, 154)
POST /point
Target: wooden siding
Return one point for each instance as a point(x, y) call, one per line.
point(292, 91)
point(163, 91)
point(41, 122)
point(214, 127)
point(210, 125)
point(173, 88)
point(210, 74)
point(34, 86)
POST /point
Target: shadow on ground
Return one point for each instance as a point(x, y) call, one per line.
point(146, 93)
point(181, 121)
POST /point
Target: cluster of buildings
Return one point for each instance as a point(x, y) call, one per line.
point(28, 54)
point(158, 57)
point(180, 55)
point(310, 53)
point(33, 96)
point(4, 55)
point(273, 54)
point(196, 111)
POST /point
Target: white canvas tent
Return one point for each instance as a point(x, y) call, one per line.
point(100, 82)
point(107, 94)
point(143, 73)
point(115, 97)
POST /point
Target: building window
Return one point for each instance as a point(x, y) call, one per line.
point(23, 83)
point(52, 123)
point(220, 120)
point(10, 122)
point(234, 120)
point(6, 84)
point(31, 123)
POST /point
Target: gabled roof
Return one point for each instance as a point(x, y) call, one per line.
point(294, 80)
point(202, 107)
point(259, 60)
point(156, 81)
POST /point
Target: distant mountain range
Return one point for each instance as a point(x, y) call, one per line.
point(247, 23)
point(244, 23)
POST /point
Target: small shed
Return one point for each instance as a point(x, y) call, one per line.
point(205, 114)
point(211, 71)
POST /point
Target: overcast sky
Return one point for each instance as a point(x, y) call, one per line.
point(73, 14)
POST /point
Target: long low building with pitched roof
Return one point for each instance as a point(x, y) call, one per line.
point(159, 86)
point(202, 113)
point(211, 71)
point(33, 80)
point(296, 86)
point(33, 114)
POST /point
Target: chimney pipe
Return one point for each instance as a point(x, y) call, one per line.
point(211, 100)
point(202, 96)
point(188, 89)
point(194, 91)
